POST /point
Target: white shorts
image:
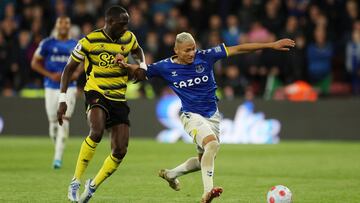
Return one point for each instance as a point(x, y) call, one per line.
point(199, 127)
point(52, 102)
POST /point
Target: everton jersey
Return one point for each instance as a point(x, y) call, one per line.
point(55, 54)
point(193, 83)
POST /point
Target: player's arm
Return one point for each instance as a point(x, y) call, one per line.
point(77, 72)
point(37, 62)
point(281, 45)
point(66, 78)
point(138, 71)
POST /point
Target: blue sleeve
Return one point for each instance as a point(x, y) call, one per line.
point(153, 70)
point(215, 53)
point(42, 50)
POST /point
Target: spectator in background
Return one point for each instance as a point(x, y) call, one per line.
point(256, 70)
point(273, 20)
point(291, 28)
point(137, 25)
point(60, 8)
point(3, 5)
point(314, 13)
point(295, 61)
point(247, 14)
point(353, 61)
point(350, 16)
point(3, 60)
point(319, 55)
point(159, 25)
point(214, 26)
point(232, 33)
point(197, 15)
point(183, 25)
point(173, 18)
point(20, 63)
point(80, 14)
point(235, 84)
point(297, 8)
point(152, 43)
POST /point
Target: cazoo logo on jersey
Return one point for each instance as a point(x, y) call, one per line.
point(191, 82)
point(106, 59)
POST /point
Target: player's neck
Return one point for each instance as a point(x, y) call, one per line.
point(63, 37)
point(176, 60)
point(109, 34)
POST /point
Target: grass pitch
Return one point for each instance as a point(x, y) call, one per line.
point(316, 172)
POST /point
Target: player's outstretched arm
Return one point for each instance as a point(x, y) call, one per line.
point(64, 83)
point(136, 69)
point(281, 45)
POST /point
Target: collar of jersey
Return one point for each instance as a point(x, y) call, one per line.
point(107, 36)
point(173, 62)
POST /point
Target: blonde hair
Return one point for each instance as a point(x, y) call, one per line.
point(184, 37)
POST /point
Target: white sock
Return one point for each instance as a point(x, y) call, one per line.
point(207, 165)
point(62, 135)
point(53, 126)
point(190, 165)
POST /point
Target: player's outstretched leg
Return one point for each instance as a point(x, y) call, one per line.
point(211, 146)
point(86, 153)
point(189, 166)
point(110, 165)
point(173, 182)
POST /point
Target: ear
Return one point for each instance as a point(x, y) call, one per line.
point(175, 50)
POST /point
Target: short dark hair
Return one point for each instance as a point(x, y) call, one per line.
point(114, 11)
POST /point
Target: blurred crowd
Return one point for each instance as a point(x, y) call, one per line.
point(326, 56)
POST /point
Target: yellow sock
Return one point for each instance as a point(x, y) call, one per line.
point(110, 165)
point(86, 153)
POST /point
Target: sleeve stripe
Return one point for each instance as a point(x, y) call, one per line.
point(75, 58)
point(227, 53)
point(78, 55)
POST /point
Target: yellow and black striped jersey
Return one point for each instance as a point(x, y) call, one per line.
point(98, 51)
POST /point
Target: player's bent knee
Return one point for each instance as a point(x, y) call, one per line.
point(96, 134)
point(119, 153)
point(212, 146)
point(209, 139)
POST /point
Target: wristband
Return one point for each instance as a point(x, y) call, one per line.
point(62, 97)
point(143, 65)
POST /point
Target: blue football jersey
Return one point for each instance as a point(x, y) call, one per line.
point(193, 83)
point(55, 54)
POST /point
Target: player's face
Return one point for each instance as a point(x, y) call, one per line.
point(186, 51)
point(119, 25)
point(63, 25)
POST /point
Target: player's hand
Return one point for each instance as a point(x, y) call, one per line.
point(55, 77)
point(118, 58)
point(283, 44)
point(61, 112)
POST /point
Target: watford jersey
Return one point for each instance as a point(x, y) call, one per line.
point(98, 51)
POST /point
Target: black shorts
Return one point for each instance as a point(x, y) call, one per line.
point(117, 112)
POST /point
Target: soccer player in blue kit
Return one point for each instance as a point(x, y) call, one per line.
point(190, 75)
point(49, 60)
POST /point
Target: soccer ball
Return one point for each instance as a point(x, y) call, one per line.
point(279, 194)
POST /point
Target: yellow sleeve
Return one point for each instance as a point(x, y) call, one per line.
point(80, 51)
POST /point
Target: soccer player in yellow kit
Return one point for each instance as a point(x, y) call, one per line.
point(105, 95)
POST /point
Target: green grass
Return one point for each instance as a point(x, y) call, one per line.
point(316, 172)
